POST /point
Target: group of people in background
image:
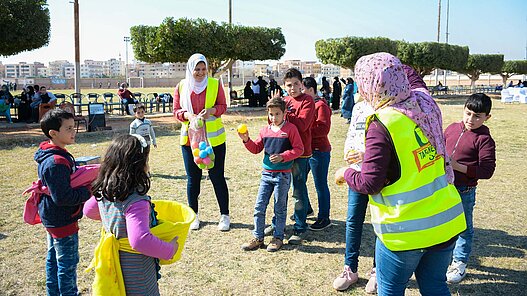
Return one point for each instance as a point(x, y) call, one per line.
point(519, 84)
point(420, 182)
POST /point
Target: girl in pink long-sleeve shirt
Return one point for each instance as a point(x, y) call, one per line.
point(121, 203)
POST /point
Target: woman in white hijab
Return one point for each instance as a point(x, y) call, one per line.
point(201, 96)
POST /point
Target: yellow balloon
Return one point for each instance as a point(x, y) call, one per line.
point(195, 152)
point(242, 128)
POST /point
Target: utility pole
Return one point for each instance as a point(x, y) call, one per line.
point(438, 33)
point(126, 40)
point(77, 53)
point(230, 67)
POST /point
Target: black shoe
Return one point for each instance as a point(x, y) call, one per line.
point(309, 214)
point(320, 224)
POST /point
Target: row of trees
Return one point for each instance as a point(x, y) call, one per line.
point(422, 56)
point(175, 40)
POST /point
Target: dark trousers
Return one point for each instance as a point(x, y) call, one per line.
point(216, 175)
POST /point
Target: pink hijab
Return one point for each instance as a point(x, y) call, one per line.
point(382, 82)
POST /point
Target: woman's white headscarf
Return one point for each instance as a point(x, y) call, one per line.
point(190, 84)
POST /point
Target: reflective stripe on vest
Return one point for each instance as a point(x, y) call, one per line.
point(213, 125)
point(420, 209)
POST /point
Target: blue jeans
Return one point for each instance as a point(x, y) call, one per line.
point(279, 182)
point(394, 269)
point(464, 241)
point(216, 174)
point(319, 165)
point(357, 205)
point(300, 195)
point(61, 265)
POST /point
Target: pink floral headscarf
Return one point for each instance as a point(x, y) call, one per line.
point(382, 82)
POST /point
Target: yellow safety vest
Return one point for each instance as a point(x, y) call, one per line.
point(421, 209)
point(213, 125)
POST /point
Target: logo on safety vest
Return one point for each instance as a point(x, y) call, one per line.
point(426, 154)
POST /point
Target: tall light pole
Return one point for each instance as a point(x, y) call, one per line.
point(438, 33)
point(126, 40)
point(77, 52)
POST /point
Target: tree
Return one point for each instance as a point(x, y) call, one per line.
point(424, 57)
point(511, 68)
point(222, 43)
point(346, 51)
point(24, 25)
point(482, 63)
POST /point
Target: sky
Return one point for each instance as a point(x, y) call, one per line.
point(486, 26)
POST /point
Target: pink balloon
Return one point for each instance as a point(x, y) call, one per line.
point(206, 160)
point(198, 160)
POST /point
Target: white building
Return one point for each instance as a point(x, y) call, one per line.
point(22, 69)
point(330, 70)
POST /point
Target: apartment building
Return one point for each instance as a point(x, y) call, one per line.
point(22, 70)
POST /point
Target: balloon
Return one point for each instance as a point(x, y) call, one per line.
point(194, 145)
point(198, 160)
point(206, 160)
point(209, 150)
point(203, 153)
point(212, 156)
point(242, 128)
point(195, 151)
point(201, 166)
point(211, 165)
point(202, 145)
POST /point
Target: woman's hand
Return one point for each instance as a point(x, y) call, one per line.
point(339, 176)
point(354, 156)
point(206, 113)
point(189, 116)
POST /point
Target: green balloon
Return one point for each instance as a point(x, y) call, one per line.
point(202, 166)
point(211, 165)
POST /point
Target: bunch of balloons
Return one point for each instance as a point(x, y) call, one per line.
point(203, 155)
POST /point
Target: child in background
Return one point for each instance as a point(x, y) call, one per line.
point(354, 148)
point(143, 126)
point(281, 143)
point(61, 210)
point(473, 156)
point(126, 212)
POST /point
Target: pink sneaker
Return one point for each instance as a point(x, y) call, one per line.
point(371, 286)
point(345, 279)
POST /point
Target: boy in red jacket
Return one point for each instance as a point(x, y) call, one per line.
point(473, 156)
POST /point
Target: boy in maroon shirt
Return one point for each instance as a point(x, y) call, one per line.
point(473, 156)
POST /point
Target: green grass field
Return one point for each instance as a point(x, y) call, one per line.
point(214, 264)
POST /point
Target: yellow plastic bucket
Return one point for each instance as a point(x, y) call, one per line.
point(174, 220)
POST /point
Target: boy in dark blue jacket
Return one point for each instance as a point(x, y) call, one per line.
point(61, 210)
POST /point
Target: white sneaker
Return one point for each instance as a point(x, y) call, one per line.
point(225, 223)
point(195, 224)
point(456, 272)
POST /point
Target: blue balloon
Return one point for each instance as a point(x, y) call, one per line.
point(202, 145)
point(209, 150)
point(203, 153)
